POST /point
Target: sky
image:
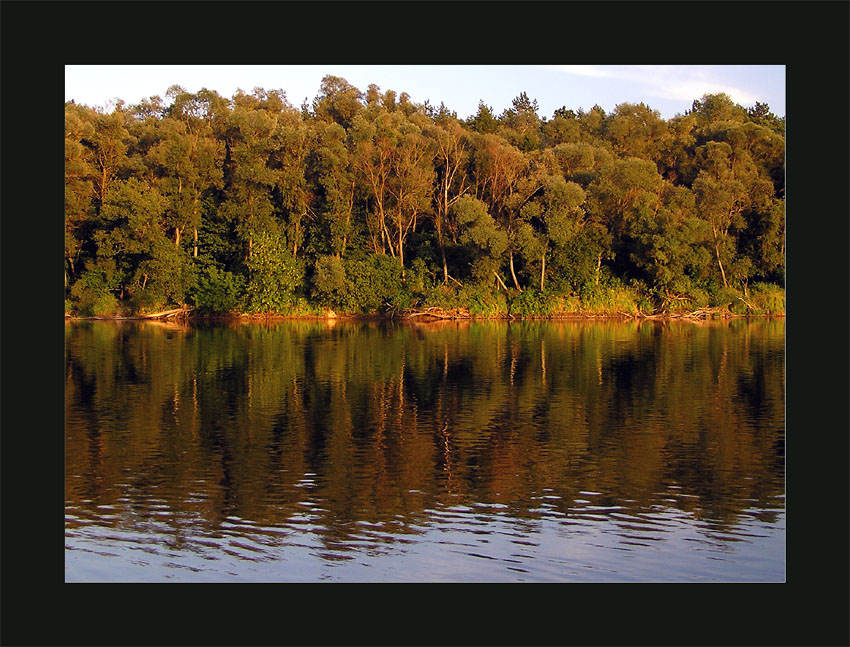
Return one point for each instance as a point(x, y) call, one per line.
point(669, 89)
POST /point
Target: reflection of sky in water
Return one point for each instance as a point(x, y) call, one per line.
point(478, 542)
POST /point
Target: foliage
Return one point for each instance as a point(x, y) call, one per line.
point(533, 302)
point(274, 276)
point(374, 284)
point(767, 298)
point(614, 298)
point(372, 203)
point(218, 291)
point(91, 294)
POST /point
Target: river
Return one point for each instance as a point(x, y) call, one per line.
point(364, 451)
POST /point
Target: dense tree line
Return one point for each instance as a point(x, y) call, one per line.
point(369, 202)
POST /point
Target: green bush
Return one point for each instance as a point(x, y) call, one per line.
point(442, 296)
point(374, 284)
point(91, 294)
point(274, 276)
point(614, 298)
point(329, 283)
point(483, 302)
point(218, 291)
point(726, 297)
point(146, 301)
point(768, 298)
point(533, 303)
point(168, 276)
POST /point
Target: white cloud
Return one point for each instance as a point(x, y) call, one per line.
point(676, 82)
point(686, 90)
point(598, 71)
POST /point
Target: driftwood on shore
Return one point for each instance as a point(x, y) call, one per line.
point(701, 313)
point(164, 314)
point(437, 313)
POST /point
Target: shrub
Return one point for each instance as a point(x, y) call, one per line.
point(374, 284)
point(483, 302)
point(168, 276)
point(92, 294)
point(768, 298)
point(274, 275)
point(726, 297)
point(615, 298)
point(533, 302)
point(218, 291)
point(329, 284)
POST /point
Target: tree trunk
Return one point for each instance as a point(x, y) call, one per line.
point(195, 249)
point(513, 274)
point(717, 254)
point(598, 266)
point(400, 251)
point(542, 271)
point(443, 254)
point(501, 282)
point(103, 186)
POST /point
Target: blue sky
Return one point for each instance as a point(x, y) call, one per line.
point(670, 89)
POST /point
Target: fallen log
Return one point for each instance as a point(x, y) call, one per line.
point(437, 313)
point(165, 314)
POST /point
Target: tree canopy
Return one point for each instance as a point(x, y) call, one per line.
point(368, 202)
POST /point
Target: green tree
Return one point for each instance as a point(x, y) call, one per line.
point(451, 156)
point(624, 190)
point(563, 128)
point(727, 186)
point(502, 178)
point(338, 101)
point(635, 130)
point(79, 187)
point(411, 179)
point(484, 121)
point(274, 275)
point(549, 220)
point(332, 173)
point(520, 124)
point(189, 158)
point(485, 241)
point(248, 191)
point(292, 143)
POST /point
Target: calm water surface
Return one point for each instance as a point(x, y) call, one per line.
point(454, 451)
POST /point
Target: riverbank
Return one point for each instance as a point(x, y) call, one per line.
point(448, 302)
point(427, 316)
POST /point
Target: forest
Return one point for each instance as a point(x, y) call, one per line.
point(368, 203)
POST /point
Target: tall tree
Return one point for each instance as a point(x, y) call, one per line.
point(451, 155)
point(721, 198)
point(79, 186)
point(551, 219)
point(410, 186)
point(190, 157)
point(107, 144)
point(293, 141)
point(635, 130)
point(520, 124)
point(372, 160)
point(332, 173)
point(338, 101)
point(501, 175)
point(248, 193)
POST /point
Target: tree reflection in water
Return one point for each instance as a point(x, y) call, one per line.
point(359, 436)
